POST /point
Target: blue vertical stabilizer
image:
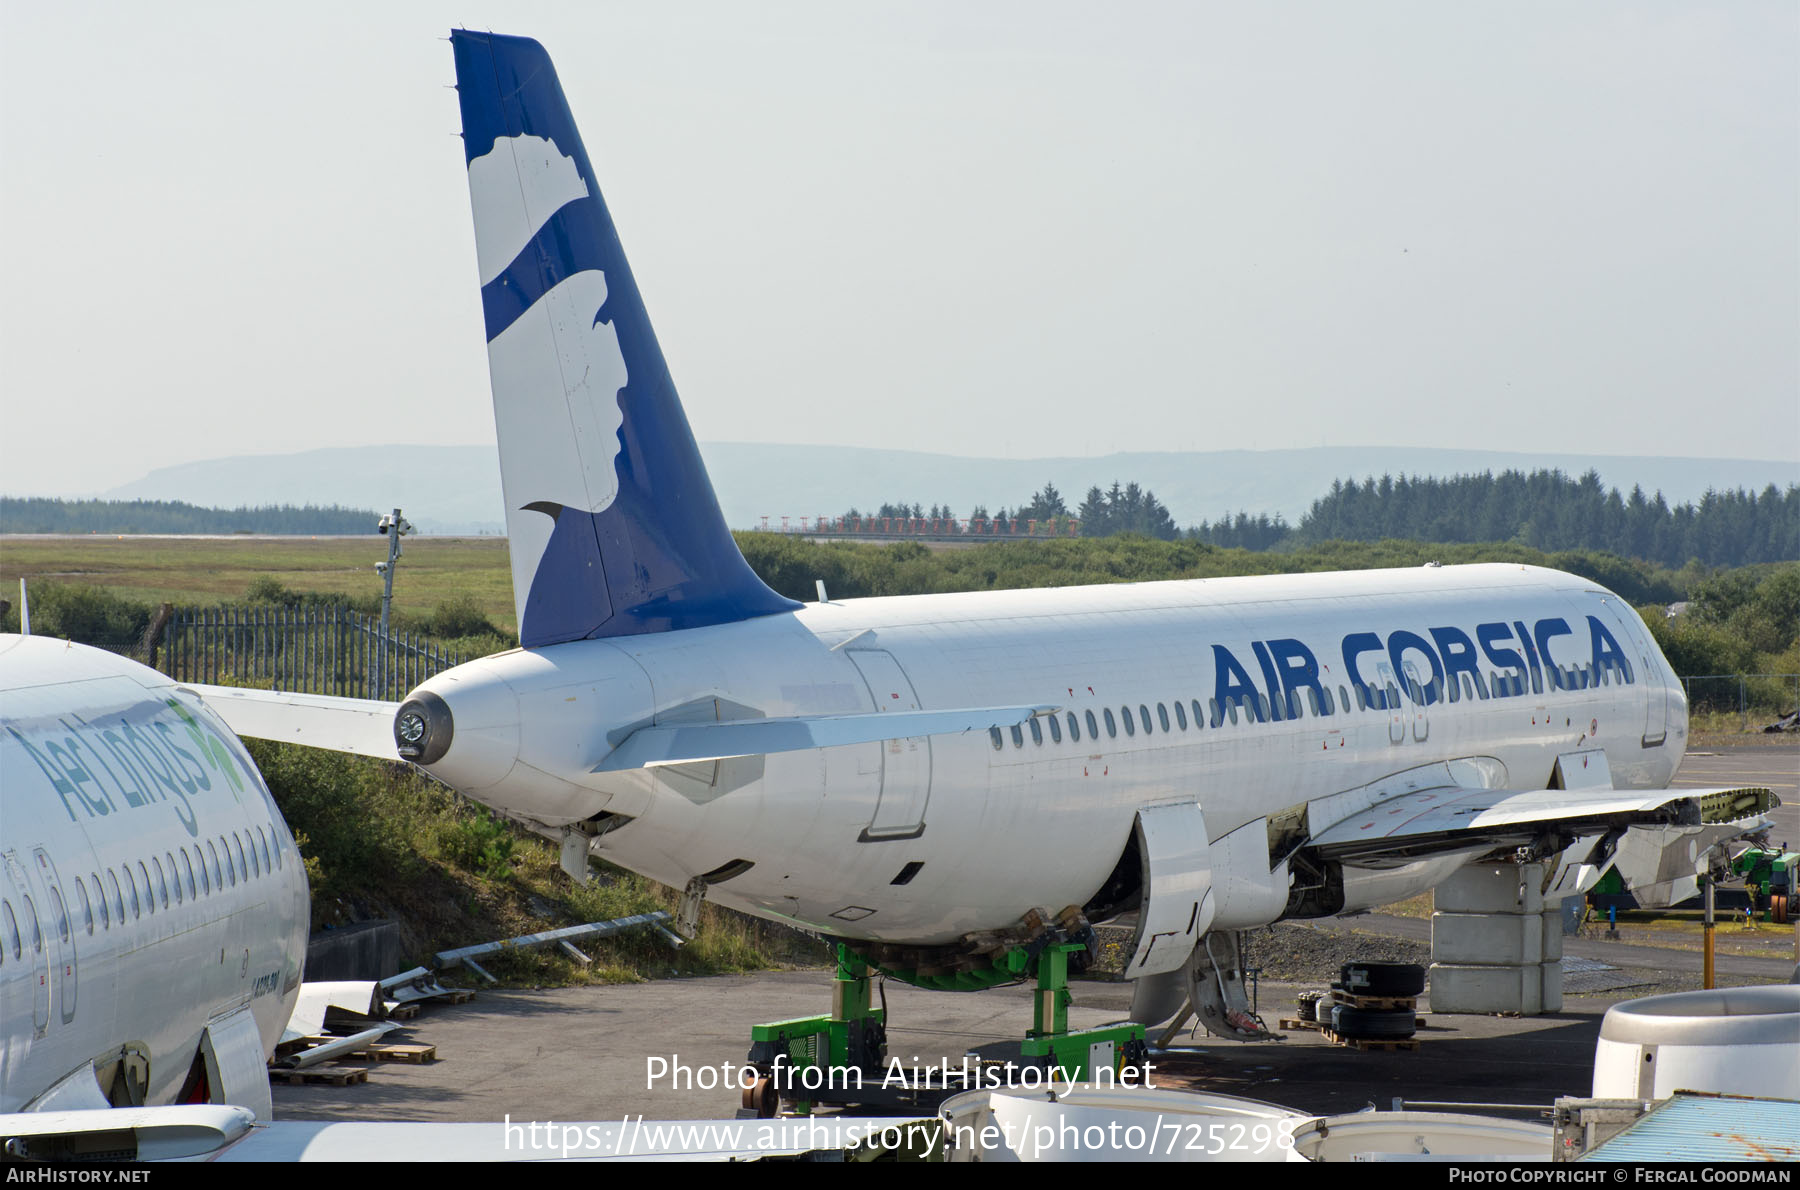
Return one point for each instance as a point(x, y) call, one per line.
point(612, 522)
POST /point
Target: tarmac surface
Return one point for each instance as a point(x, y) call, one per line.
point(671, 1049)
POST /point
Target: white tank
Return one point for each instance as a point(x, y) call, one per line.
point(1731, 1041)
point(1421, 1135)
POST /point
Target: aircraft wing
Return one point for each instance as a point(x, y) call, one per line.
point(648, 747)
point(1452, 818)
point(364, 726)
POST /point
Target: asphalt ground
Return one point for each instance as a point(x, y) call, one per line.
point(670, 1050)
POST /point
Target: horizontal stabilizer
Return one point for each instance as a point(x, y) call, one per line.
point(1449, 818)
point(364, 726)
point(648, 747)
point(130, 1133)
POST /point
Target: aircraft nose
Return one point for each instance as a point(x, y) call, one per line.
point(462, 726)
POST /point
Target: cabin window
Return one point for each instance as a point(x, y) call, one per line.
point(255, 860)
point(37, 933)
point(1231, 708)
point(87, 906)
point(1112, 725)
point(62, 913)
point(161, 886)
point(1093, 727)
point(137, 902)
point(1037, 732)
point(1180, 715)
point(149, 889)
point(994, 736)
point(118, 898)
point(1055, 729)
point(212, 861)
point(237, 846)
point(230, 872)
point(174, 876)
point(187, 873)
point(1262, 708)
point(100, 895)
point(1130, 727)
point(12, 929)
point(262, 841)
point(1144, 718)
point(1312, 696)
point(1018, 736)
point(1074, 729)
point(275, 845)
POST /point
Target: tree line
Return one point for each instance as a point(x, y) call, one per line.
point(1124, 508)
point(1543, 509)
point(33, 514)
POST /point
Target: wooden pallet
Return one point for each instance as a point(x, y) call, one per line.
point(1377, 1003)
point(335, 1076)
point(404, 1012)
point(1371, 1043)
point(1296, 1023)
point(416, 1055)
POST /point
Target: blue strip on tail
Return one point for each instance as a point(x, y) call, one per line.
point(658, 556)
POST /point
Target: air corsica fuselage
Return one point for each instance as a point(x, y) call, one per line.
point(1184, 681)
point(148, 885)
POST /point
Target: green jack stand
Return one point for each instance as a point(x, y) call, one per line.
point(1109, 1055)
point(814, 1059)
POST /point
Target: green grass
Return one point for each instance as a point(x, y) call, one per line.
point(206, 571)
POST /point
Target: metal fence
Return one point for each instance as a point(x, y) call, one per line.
point(1746, 695)
point(319, 650)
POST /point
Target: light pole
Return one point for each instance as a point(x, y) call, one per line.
point(395, 527)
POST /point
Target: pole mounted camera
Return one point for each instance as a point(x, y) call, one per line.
point(393, 526)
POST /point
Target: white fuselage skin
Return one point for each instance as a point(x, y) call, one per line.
point(1001, 829)
point(149, 884)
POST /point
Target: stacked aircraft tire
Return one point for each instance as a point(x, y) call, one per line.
point(1372, 1024)
point(1308, 1003)
point(1375, 981)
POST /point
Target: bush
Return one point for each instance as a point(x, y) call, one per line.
point(89, 616)
point(480, 843)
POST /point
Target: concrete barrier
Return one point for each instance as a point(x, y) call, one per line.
point(361, 950)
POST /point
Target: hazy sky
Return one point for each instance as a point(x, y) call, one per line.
point(995, 229)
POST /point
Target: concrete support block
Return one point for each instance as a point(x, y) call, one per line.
point(1551, 987)
point(1493, 888)
point(1503, 939)
point(1553, 935)
point(1462, 987)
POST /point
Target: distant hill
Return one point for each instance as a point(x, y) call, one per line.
point(456, 489)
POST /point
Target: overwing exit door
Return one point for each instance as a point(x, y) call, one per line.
point(905, 763)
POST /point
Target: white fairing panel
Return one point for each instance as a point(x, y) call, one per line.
point(1177, 904)
point(235, 1066)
